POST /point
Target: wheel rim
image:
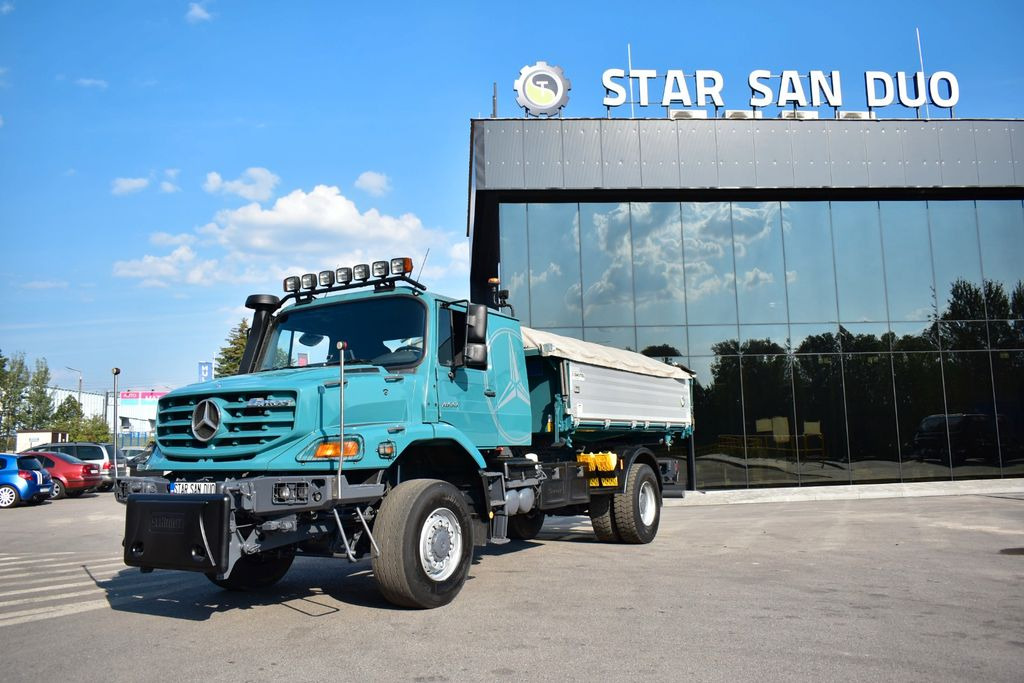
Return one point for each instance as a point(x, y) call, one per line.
point(440, 544)
point(55, 491)
point(648, 503)
point(6, 497)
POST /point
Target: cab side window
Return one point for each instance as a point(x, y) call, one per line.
point(451, 336)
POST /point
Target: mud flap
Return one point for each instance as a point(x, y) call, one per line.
point(186, 532)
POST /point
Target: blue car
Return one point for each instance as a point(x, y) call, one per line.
point(22, 479)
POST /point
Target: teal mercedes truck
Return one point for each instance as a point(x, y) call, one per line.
point(373, 419)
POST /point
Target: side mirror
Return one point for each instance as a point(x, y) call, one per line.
point(475, 351)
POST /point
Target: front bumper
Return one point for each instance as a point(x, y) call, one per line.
point(190, 533)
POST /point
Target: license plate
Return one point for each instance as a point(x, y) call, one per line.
point(193, 487)
point(44, 489)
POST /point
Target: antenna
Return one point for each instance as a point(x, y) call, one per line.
point(629, 65)
point(920, 57)
point(494, 101)
point(423, 262)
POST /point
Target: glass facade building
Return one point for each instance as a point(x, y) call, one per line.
point(862, 335)
point(833, 342)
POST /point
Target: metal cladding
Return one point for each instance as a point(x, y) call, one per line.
point(627, 154)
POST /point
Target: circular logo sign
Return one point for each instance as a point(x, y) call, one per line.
point(542, 90)
point(205, 420)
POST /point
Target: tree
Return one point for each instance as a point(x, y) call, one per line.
point(94, 428)
point(68, 416)
point(230, 356)
point(12, 391)
point(39, 402)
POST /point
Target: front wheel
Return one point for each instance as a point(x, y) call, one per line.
point(253, 572)
point(426, 545)
point(637, 510)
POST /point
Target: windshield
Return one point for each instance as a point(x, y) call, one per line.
point(379, 331)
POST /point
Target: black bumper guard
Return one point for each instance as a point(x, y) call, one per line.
point(186, 532)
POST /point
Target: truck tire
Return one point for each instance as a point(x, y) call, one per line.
point(426, 544)
point(601, 517)
point(637, 510)
point(253, 572)
point(525, 527)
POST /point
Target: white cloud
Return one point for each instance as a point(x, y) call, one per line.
point(7, 8)
point(197, 13)
point(256, 184)
point(300, 232)
point(97, 83)
point(166, 239)
point(168, 187)
point(121, 186)
point(45, 284)
point(374, 183)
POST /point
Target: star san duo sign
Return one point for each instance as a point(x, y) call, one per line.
point(543, 89)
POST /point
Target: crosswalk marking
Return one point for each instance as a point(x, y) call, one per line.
point(90, 566)
point(95, 590)
point(44, 565)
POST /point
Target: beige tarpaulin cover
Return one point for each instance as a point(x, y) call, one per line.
point(587, 352)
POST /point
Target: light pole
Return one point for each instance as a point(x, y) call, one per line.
point(79, 383)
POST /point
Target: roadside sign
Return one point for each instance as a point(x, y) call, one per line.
point(205, 371)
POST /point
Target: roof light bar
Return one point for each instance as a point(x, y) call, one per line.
point(291, 284)
point(309, 281)
point(343, 275)
point(401, 266)
point(326, 278)
point(380, 269)
point(361, 272)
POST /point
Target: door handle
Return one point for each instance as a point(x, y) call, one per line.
point(489, 393)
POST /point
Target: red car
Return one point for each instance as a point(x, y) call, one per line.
point(71, 476)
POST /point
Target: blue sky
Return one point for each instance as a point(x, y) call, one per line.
point(161, 160)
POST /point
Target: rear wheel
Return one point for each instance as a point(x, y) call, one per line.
point(253, 572)
point(601, 517)
point(426, 545)
point(8, 496)
point(637, 510)
point(525, 527)
point(59, 490)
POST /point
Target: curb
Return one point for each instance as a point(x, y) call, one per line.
point(847, 492)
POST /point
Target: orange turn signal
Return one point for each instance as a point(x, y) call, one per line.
point(329, 449)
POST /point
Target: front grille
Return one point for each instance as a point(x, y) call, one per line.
point(244, 428)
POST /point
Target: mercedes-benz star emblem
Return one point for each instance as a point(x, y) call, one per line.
point(205, 420)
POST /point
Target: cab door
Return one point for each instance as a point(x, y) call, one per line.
point(462, 393)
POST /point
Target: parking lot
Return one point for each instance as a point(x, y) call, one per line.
point(915, 589)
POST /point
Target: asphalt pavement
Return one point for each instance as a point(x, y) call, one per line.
point(909, 589)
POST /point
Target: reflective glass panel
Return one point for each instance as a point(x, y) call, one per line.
point(957, 261)
point(1008, 373)
point(607, 260)
point(617, 337)
point(858, 250)
point(760, 272)
point(908, 264)
point(924, 449)
point(515, 263)
point(658, 263)
point(554, 265)
point(770, 437)
point(864, 337)
point(662, 342)
point(764, 339)
point(820, 338)
point(710, 340)
point(821, 420)
point(1001, 230)
point(707, 250)
point(971, 416)
point(915, 336)
point(810, 276)
point(871, 418)
point(718, 444)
